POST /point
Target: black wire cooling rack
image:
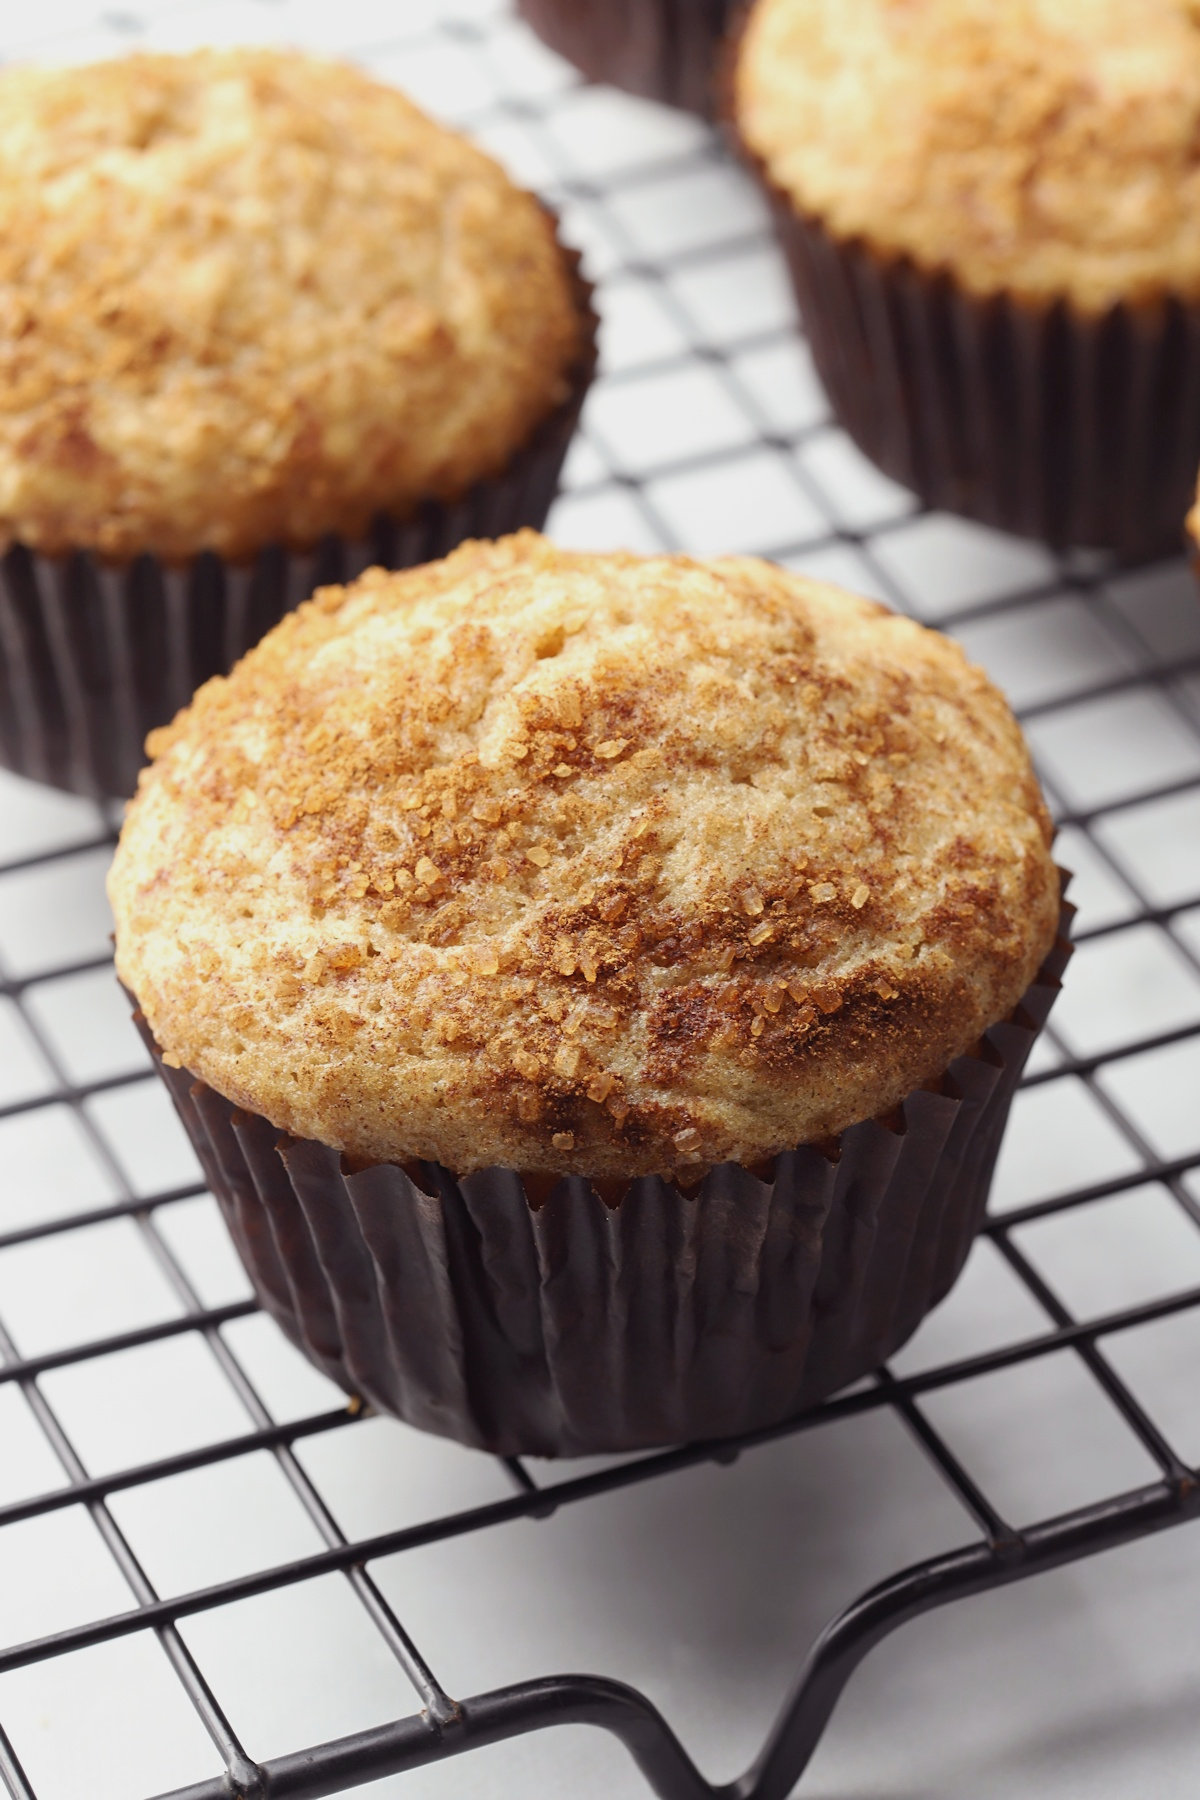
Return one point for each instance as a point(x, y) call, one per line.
point(718, 246)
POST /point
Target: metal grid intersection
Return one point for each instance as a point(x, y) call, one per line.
point(701, 436)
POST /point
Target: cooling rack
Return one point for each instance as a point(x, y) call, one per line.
point(216, 1577)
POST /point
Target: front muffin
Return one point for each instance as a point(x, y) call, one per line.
point(585, 864)
point(992, 212)
point(254, 300)
point(594, 866)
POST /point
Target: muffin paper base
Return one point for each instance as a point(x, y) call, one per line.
point(576, 1326)
point(662, 49)
point(93, 656)
point(1041, 420)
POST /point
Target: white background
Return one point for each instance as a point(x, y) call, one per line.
point(709, 432)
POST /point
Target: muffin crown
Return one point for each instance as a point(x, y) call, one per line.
point(1050, 148)
point(252, 297)
point(582, 862)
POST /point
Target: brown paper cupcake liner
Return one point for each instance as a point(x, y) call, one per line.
point(663, 49)
point(1044, 421)
point(577, 1326)
point(95, 655)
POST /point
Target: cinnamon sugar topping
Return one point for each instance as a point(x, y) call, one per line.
point(410, 941)
point(250, 297)
point(1047, 148)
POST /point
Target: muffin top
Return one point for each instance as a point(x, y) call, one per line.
point(250, 297)
point(1046, 147)
point(585, 863)
point(1193, 518)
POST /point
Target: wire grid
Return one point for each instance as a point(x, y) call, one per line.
point(708, 432)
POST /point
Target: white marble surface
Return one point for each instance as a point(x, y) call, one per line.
point(704, 1588)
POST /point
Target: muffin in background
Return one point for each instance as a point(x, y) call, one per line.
point(638, 957)
point(264, 324)
point(1193, 523)
point(991, 210)
point(662, 49)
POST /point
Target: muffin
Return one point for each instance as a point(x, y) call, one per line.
point(594, 985)
point(264, 324)
point(1193, 527)
point(663, 49)
point(991, 210)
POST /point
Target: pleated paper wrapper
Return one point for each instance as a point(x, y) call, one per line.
point(662, 49)
point(577, 1326)
point(1041, 420)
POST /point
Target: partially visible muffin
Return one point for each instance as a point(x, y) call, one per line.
point(1193, 520)
point(1044, 148)
point(262, 324)
point(992, 212)
point(250, 297)
point(583, 863)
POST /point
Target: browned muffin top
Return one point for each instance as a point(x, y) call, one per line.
point(1046, 147)
point(1193, 519)
point(583, 862)
point(249, 297)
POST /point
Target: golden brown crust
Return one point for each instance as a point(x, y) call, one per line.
point(583, 862)
point(1044, 147)
point(249, 297)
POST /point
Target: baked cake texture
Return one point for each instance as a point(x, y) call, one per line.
point(251, 297)
point(1045, 148)
point(1193, 520)
point(583, 863)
